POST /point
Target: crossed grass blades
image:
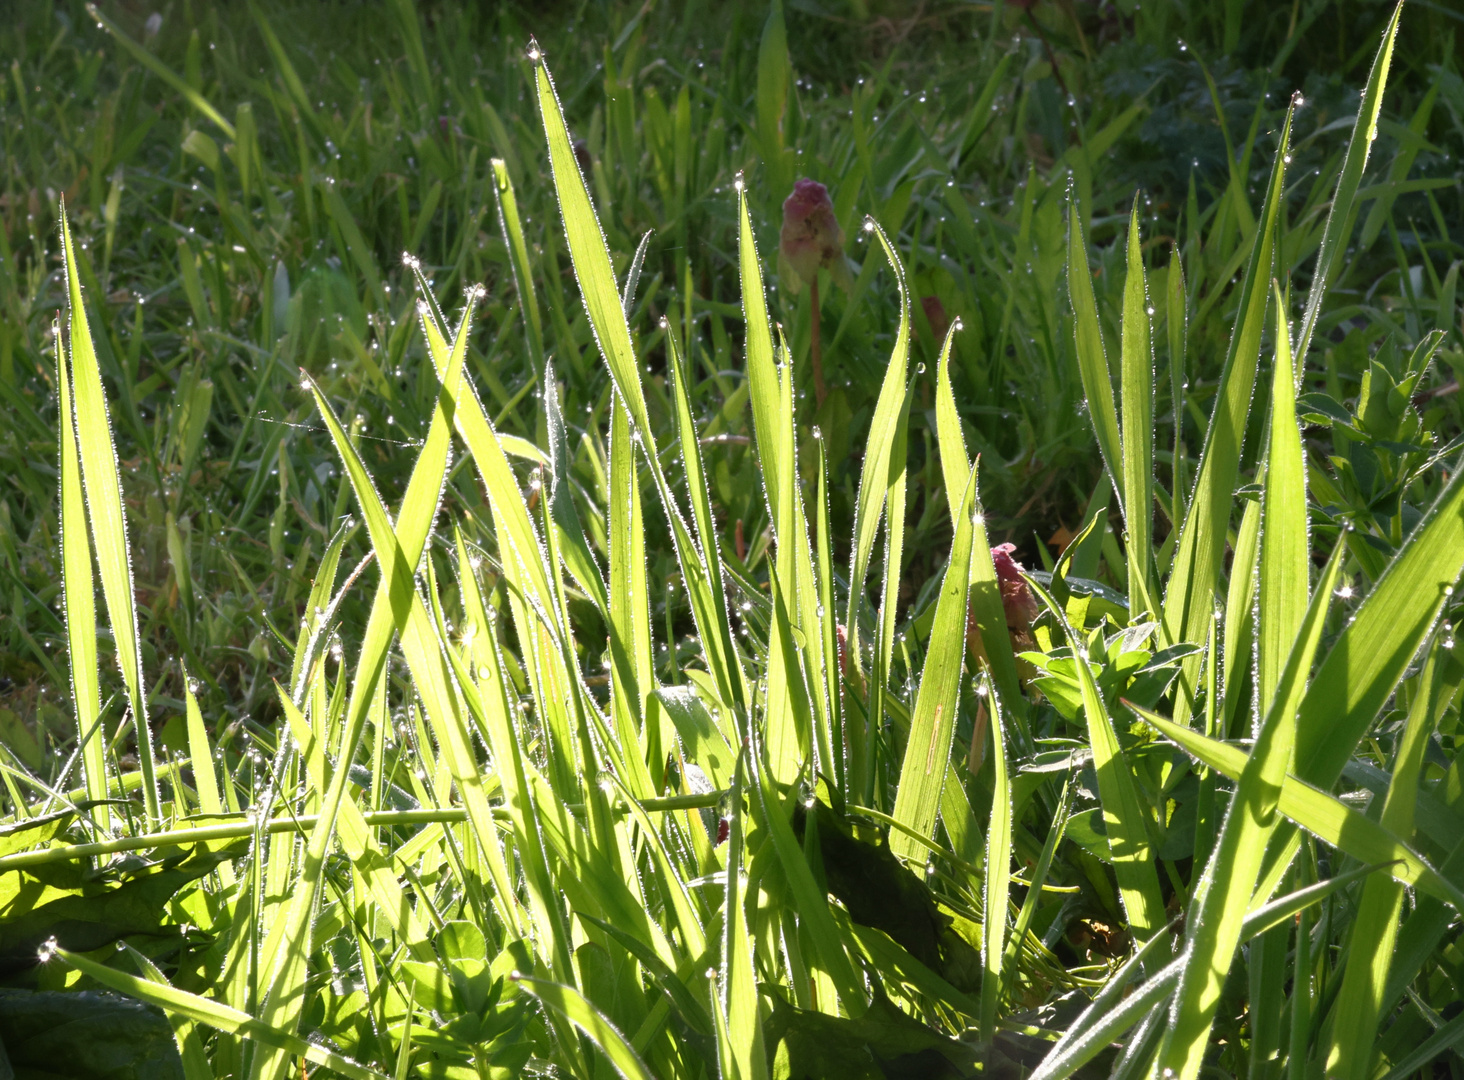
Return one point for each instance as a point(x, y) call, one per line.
point(464, 856)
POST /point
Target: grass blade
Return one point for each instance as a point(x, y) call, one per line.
point(221, 1017)
point(1137, 433)
point(928, 750)
point(998, 876)
point(523, 277)
point(1188, 600)
point(571, 1004)
point(1324, 816)
point(79, 602)
point(1341, 218)
point(1375, 648)
point(1224, 891)
point(103, 487)
point(1375, 929)
point(1092, 358)
point(1123, 813)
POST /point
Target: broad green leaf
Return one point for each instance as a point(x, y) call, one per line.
point(932, 723)
point(1137, 433)
point(103, 487)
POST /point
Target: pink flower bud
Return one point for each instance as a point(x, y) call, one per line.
point(811, 237)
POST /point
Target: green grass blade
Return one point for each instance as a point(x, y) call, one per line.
point(1439, 1043)
point(788, 715)
point(1137, 434)
point(632, 663)
point(762, 371)
point(1341, 218)
point(1375, 648)
point(1285, 553)
point(161, 70)
point(1189, 599)
point(810, 898)
point(103, 487)
point(954, 465)
point(574, 1006)
point(997, 878)
point(875, 479)
point(217, 1016)
point(523, 276)
point(1324, 816)
point(191, 1051)
point(1224, 890)
point(1240, 599)
point(932, 723)
point(79, 603)
point(1176, 323)
point(1069, 1054)
point(1092, 358)
point(1375, 929)
point(740, 1035)
point(1123, 813)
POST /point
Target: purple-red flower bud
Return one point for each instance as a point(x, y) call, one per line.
point(811, 238)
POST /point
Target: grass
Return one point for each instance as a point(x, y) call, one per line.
point(549, 685)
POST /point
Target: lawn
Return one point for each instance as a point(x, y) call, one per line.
point(498, 606)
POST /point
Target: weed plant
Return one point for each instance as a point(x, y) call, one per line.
point(629, 711)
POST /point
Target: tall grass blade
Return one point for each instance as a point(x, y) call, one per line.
point(1092, 357)
point(218, 1016)
point(103, 486)
point(933, 720)
point(1189, 599)
point(1224, 891)
point(523, 275)
point(1341, 218)
point(1137, 433)
point(79, 602)
point(997, 882)
point(1375, 929)
point(574, 1006)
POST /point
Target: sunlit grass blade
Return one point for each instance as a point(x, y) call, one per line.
point(632, 663)
point(1285, 556)
point(932, 722)
point(762, 371)
point(1188, 599)
point(740, 1046)
point(874, 478)
point(218, 1016)
point(788, 713)
point(1071, 1053)
point(573, 1005)
point(1341, 217)
point(1224, 891)
point(811, 899)
point(397, 554)
point(523, 276)
point(1324, 816)
point(997, 880)
point(1123, 812)
point(1176, 324)
point(1137, 433)
point(1375, 929)
point(191, 1052)
point(79, 603)
point(1380, 640)
point(103, 487)
point(1092, 357)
